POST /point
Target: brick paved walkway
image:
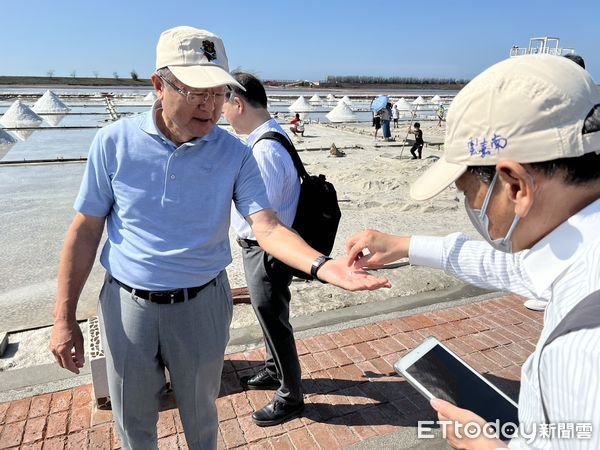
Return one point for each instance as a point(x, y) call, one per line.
point(351, 391)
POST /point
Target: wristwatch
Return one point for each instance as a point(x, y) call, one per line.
point(316, 265)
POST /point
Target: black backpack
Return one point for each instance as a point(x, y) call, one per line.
point(318, 214)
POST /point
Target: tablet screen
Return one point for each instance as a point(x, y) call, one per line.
point(447, 378)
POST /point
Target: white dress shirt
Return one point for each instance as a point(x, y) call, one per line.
point(562, 268)
point(279, 175)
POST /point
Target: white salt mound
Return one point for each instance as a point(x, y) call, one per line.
point(20, 115)
point(341, 113)
point(436, 99)
point(150, 97)
point(403, 105)
point(419, 101)
point(330, 97)
point(6, 137)
point(315, 99)
point(300, 105)
point(49, 103)
point(347, 100)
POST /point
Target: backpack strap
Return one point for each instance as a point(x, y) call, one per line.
point(585, 315)
point(283, 140)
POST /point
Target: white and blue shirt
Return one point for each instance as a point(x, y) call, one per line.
point(562, 268)
point(279, 175)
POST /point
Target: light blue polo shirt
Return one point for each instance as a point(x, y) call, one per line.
point(168, 207)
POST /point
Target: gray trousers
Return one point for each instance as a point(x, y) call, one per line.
point(142, 338)
point(268, 282)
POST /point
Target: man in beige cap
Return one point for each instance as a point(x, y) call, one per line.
point(164, 182)
point(523, 145)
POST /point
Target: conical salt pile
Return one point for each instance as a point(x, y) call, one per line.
point(315, 99)
point(436, 99)
point(20, 115)
point(49, 103)
point(300, 105)
point(347, 100)
point(150, 97)
point(341, 113)
point(330, 98)
point(419, 101)
point(402, 105)
point(6, 137)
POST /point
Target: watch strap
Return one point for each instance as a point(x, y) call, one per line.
point(316, 265)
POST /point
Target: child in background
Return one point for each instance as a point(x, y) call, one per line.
point(418, 145)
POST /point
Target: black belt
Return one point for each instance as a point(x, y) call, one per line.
point(165, 297)
point(247, 243)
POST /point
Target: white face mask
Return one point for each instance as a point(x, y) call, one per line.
point(480, 221)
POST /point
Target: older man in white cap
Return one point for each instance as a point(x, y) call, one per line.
point(163, 182)
point(523, 145)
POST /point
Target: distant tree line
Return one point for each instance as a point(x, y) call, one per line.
point(361, 79)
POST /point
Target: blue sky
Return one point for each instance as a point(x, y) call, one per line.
point(293, 40)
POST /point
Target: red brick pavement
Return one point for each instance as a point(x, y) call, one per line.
point(351, 391)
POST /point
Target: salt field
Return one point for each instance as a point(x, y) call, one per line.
point(372, 183)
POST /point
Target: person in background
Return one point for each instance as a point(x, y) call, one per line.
point(267, 278)
point(297, 125)
point(395, 115)
point(441, 113)
point(533, 193)
point(376, 123)
point(418, 145)
point(386, 116)
point(163, 182)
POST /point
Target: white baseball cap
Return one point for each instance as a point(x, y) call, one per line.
point(527, 108)
point(196, 57)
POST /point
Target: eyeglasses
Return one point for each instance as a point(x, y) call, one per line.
point(195, 98)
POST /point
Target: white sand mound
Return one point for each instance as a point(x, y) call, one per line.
point(300, 105)
point(49, 103)
point(341, 113)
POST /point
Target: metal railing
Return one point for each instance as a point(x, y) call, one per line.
point(558, 51)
